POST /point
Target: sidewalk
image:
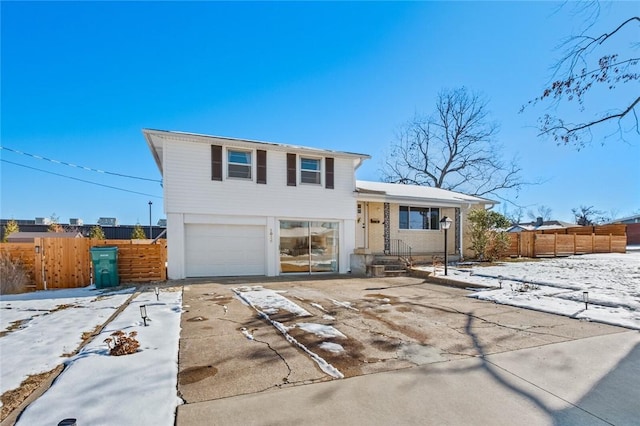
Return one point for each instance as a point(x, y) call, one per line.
point(592, 380)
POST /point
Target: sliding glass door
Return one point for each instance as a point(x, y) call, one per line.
point(307, 247)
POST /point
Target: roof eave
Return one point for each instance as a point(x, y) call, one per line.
point(384, 197)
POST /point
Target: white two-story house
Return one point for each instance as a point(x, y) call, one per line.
point(239, 207)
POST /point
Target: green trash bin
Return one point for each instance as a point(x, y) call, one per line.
point(105, 266)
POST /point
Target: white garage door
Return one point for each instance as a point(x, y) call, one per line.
point(223, 250)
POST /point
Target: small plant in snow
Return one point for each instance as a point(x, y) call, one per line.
point(121, 344)
point(524, 287)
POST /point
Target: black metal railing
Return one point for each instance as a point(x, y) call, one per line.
point(400, 248)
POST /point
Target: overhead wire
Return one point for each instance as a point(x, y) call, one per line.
point(40, 157)
point(78, 179)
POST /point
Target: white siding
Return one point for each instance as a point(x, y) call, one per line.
point(189, 188)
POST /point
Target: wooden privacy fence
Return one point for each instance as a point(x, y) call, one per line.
point(66, 262)
point(568, 241)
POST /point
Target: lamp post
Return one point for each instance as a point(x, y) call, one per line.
point(445, 223)
point(150, 228)
point(585, 299)
point(143, 314)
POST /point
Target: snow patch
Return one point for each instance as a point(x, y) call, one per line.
point(320, 330)
point(331, 347)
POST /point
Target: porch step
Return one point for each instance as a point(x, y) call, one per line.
point(393, 266)
point(394, 272)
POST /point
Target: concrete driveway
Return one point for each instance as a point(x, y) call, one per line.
point(424, 339)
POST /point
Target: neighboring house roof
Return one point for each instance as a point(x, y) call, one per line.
point(155, 141)
point(28, 237)
point(627, 220)
point(541, 225)
point(414, 194)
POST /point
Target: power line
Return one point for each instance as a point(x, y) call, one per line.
point(39, 157)
point(80, 180)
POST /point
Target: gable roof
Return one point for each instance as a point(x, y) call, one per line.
point(155, 140)
point(415, 194)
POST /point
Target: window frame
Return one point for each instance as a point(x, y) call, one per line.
point(317, 173)
point(429, 214)
point(248, 166)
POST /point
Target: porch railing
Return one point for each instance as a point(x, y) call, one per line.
point(399, 248)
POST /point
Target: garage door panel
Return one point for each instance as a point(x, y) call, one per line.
point(219, 250)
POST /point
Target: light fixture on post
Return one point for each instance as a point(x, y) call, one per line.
point(445, 224)
point(143, 314)
point(150, 226)
point(585, 299)
point(157, 292)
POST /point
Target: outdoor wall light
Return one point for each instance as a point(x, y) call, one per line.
point(37, 249)
point(157, 292)
point(585, 299)
point(445, 223)
point(143, 314)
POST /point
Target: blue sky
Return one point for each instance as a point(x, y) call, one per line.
point(79, 81)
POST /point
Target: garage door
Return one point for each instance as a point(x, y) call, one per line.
point(223, 250)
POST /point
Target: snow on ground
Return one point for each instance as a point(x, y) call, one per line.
point(270, 301)
point(265, 302)
point(51, 325)
point(556, 285)
point(98, 389)
point(320, 330)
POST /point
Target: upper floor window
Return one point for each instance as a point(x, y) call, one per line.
point(419, 217)
point(310, 169)
point(239, 164)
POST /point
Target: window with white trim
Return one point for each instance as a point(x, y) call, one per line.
point(310, 170)
point(419, 218)
point(238, 164)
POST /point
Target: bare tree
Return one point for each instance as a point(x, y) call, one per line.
point(588, 216)
point(542, 211)
point(514, 216)
point(588, 65)
point(452, 149)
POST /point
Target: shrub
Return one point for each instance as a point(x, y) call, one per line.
point(498, 245)
point(10, 228)
point(97, 233)
point(13, 277)
point(121, 344)
point(138, 233)
point(487, 240)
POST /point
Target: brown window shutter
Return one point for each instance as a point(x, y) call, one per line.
point(216, 162)
point(291, 170)
point(261, 156)
point(328, 177)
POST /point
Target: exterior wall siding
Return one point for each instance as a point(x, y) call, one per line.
point(189, 188)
